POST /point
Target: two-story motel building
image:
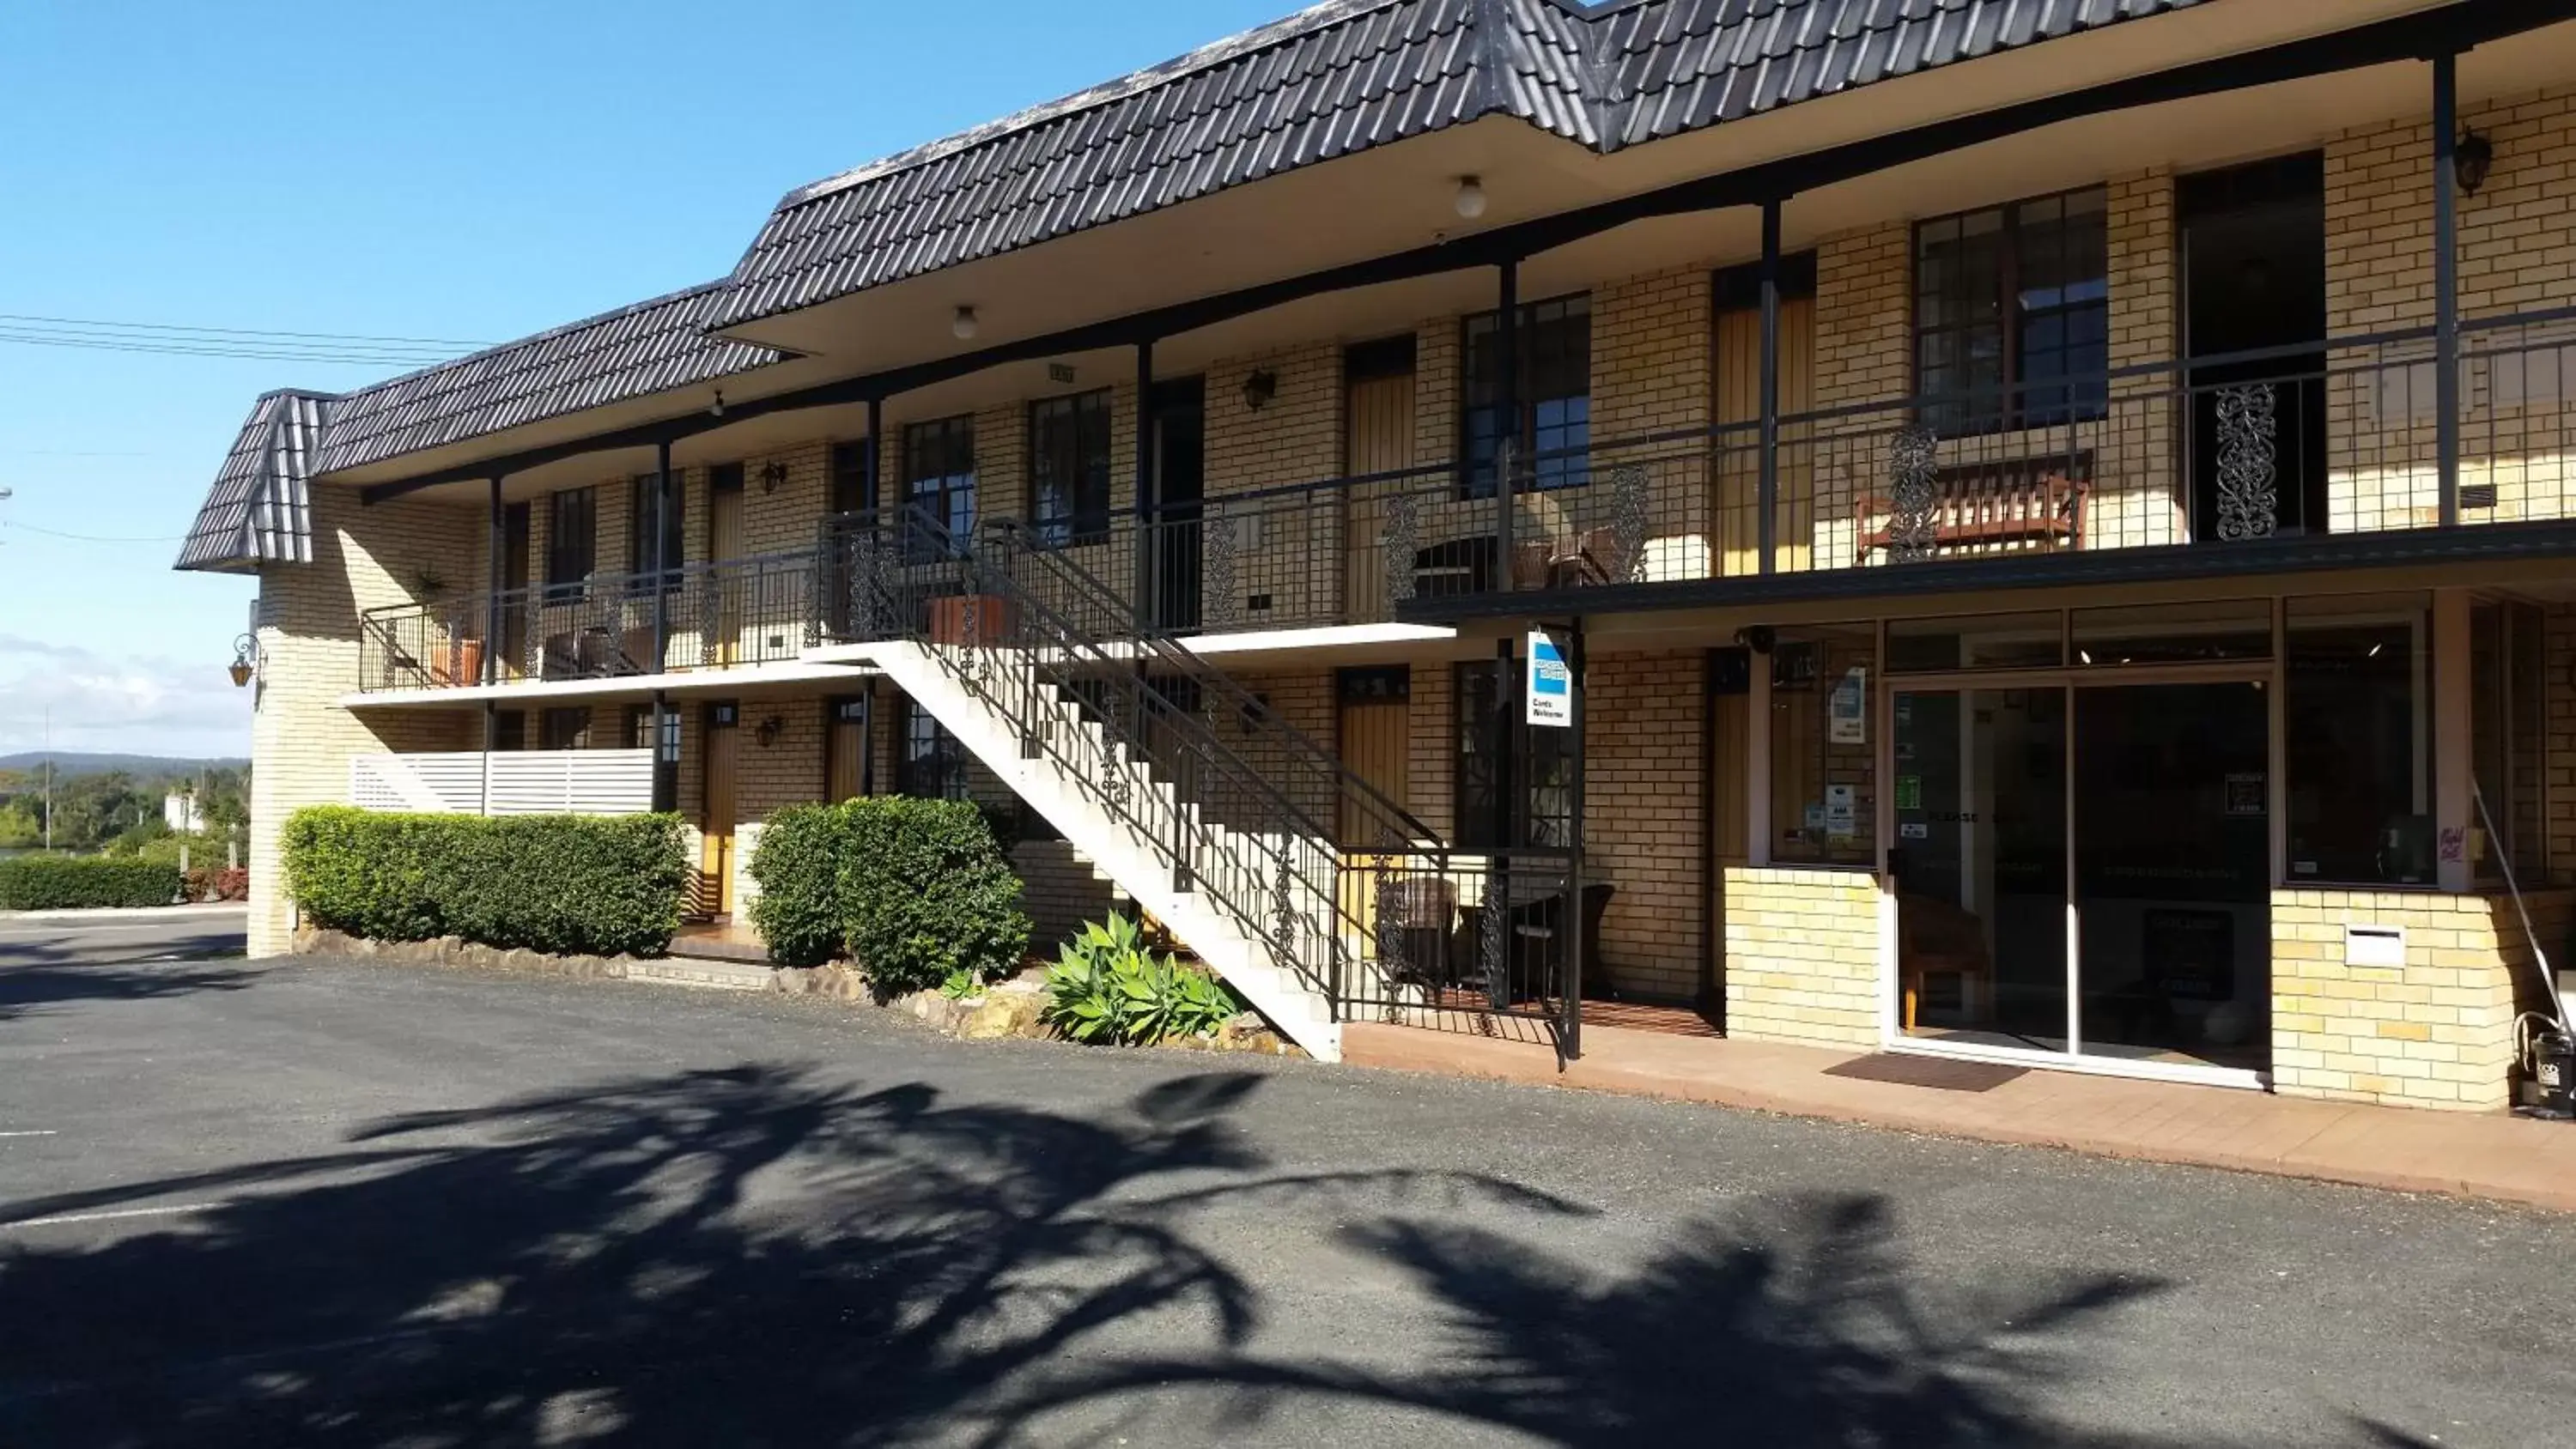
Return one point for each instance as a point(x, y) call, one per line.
point(2058, 512)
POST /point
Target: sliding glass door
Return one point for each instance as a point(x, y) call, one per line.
point(2081, 866)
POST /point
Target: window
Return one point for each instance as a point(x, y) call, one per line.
point(648, 508)
point(565, 729)
point(1552, 395)
point(572, 537)
point(1823, 761)
point(510, 730)
point(1486, 710)
point(2012, 314)
point(849, 478)
point(939, 477)
point(933, 763)
point(1069, 468)
point(2357, 740)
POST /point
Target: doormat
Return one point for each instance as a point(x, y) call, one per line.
point(1940, 1074)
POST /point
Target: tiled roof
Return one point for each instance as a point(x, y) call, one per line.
point(646, 348)
point(259, 511)
point(1345, 76)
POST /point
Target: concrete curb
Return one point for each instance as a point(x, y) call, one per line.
point(194, 910)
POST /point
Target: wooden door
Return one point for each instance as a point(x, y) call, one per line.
point(1375, 745)
point(1377, 438)
point(724, 544)
point(514, 587)
point(718, 813)
point(1739, 465)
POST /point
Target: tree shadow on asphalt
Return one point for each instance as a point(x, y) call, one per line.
point(40, 976)
point(762, 1257)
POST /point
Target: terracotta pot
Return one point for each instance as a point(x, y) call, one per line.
point(970, 619)
point(464, 662)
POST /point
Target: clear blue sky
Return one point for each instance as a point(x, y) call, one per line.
point(475, 169)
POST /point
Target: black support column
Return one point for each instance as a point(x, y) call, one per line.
point(661, 565)
point(1143, 594)
point(1507, 438)
point(2446, 280)
point(1766, 493)
point(492, 575)
point(872, 460)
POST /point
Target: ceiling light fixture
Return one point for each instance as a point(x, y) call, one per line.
point(1471, 197)
point(963, 326)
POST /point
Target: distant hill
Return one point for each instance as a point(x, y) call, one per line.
point(67, 762)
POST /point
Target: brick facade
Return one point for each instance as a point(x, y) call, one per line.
point(1802, 956)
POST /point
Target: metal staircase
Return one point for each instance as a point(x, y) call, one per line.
point(1171, 778)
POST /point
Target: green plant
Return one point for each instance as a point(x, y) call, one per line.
point(78, 882)
point(797, 865)
point(596, 885)
point(962, 983)
point(1107, 987)
point(914, 890)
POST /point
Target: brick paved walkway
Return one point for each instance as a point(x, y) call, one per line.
point(2407, 1149)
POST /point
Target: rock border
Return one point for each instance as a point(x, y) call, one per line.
point(1005, 1010)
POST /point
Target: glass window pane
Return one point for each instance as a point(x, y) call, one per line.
point(1823, 760)
point(1987, 641)
point(2357, 740)
point(2174, 633)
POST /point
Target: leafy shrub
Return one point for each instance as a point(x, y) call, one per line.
point(595, 885)
point(77, 882)
point(914, 890)
point(163, 849)
point(798, 867)
point(229, 884)
point(1107, 987)
point(961, 984)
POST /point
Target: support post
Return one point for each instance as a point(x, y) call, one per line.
point(661, 563)
point(492, 575)
point(871, 456)
point(2454, 809)
point(491, 737)
point(1757, 762)
point(868, 738)
point(2446, 281)
point(1766, 495)
point(1507, 440)
point(1143, 594)
point(1571, 1038)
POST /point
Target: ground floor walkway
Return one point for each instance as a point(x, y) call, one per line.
point(2465, 1154)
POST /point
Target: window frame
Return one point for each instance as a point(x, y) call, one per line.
point(572, 552)
point(1973, 406)
point(1073, 431)
point(1567, 438)
point(929, 762)
point(670, 509)
point(933, 451)
point(1479, 713)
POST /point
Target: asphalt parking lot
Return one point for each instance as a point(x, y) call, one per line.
point(344, 1203)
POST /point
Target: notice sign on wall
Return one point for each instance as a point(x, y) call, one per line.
point(1551, 683)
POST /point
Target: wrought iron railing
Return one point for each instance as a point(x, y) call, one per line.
point(1243, 810)
point(1454, 939)
point(719, 615)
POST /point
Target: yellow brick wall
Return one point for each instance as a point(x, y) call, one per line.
point(2437, 1032)
point(1802, 956)
point(2515, 254)
point(301, 737)
point(1642, 819)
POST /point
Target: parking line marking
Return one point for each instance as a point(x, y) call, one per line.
point(67, 1218)
point(33, 1132)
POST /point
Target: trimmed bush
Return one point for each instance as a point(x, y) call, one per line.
point(216, 883)
point(81, 882)
point(574, 884)
point(797, 865)
point(914, 890)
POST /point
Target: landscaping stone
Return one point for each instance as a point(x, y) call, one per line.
point(1009, 1010)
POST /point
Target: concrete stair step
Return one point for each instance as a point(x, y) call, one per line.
point(704, 973)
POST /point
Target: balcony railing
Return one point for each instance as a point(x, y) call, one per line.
point(2339, 437)
point(720, 615)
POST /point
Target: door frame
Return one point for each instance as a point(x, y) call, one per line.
point(720, 717)
point(2267, 673)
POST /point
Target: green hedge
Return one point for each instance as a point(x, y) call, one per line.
point(75, 882)
point(581, 884)
point(913, 890)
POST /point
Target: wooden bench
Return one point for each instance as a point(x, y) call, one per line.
point(2021, 501)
